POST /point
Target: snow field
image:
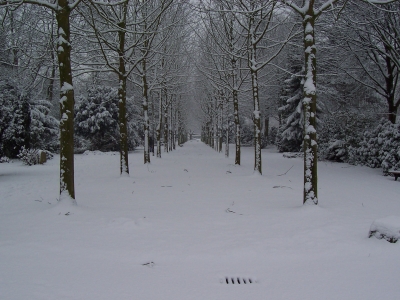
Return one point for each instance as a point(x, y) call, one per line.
point(175, 229)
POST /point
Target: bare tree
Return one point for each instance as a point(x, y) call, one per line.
point(372, 35)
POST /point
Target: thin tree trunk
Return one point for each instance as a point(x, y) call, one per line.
point(171, 138)
point(215, 121)
point(237, 126)
point(123, 128)
point(235, 97)
point(266, 129)
point(175, 128)
point(225, 109)
point(145, 105)
point(256, 117)
point(153, 125)
point(159, 127)
point(220, 111)
point(166, 124)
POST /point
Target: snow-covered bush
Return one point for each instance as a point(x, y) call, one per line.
point(32, 156)
point(24, 122)
point(96, 118)
point(96, 121)
point(14, 120)
point(29, 156)
point(341, 131)
point(81, 144)
point(380, 148)
point(4, 159)
point(387, 228)
point(288, 140)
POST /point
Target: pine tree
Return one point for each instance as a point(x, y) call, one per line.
point(292, 127)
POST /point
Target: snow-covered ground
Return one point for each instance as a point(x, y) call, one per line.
point(175, 229)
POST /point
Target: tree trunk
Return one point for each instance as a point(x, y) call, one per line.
point(166, 124)
point(171, 137)
point(67, 186)
point(145, 105)
point(220, 112)
point(158, 133)
point(266, 129)
point(176, 128)
point(237, 126)
point(123, 129)
point(227, 142)
point(215, 121)
point(256, 113)
point(235, 97)
point(309, 110)
point(153, 125)
point(227, 128)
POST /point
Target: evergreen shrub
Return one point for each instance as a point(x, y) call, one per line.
point(96, 121)
point(31, 156)
point(14, 120)
point(340, 131)
point(380, 148)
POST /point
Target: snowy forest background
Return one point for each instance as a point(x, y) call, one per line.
point(232, 70)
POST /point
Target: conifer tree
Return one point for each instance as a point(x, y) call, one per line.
point(291, 131)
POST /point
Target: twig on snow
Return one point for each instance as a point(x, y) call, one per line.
point(286, 171)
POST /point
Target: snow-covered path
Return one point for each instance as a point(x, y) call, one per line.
point(175, 229)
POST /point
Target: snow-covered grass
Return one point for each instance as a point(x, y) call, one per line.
point(175, 229)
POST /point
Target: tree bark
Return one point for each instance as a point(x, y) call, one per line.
point(166, 124)
point(170, 137)
point(123, 129)
point(309, 110)
point(158, 133)
point(237, 126)
point(67, 186)
point(390, 86)
point(145, 105)
point(256, 112)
